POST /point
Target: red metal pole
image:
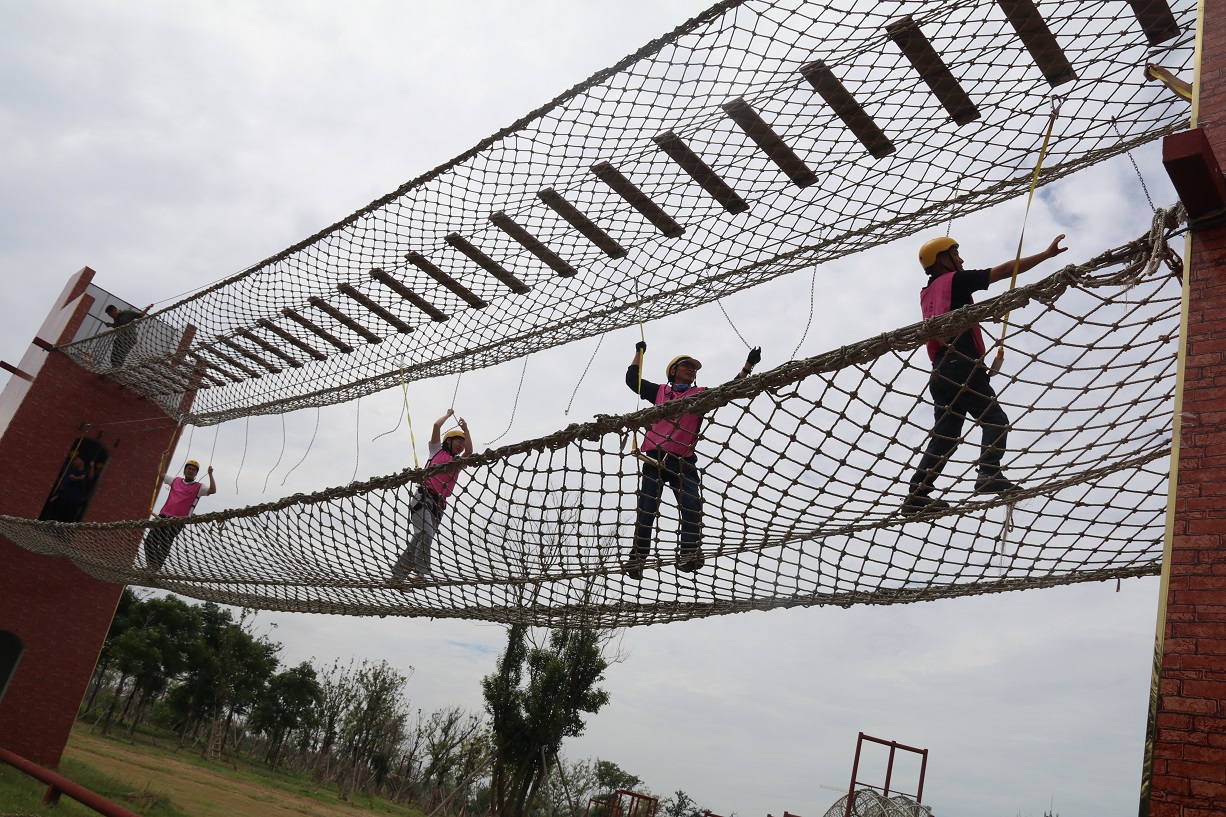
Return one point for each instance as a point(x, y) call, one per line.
point(889, 769)
point(58, 783)
point(919, 795)
point(855, 768)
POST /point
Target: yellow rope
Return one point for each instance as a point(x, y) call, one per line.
point(174, 438)
point(1017, 260)
point(409, 418)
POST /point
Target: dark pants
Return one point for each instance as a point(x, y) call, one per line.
point(959, 388)
point(682, 475)
point(158, 543)
point(121, 344)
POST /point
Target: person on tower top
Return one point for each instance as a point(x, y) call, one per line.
point(668, 447)
point(125, 339)
point(430, 500)
point(959, 382)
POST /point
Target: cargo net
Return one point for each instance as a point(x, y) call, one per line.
point(804, 470)
point(757, 139)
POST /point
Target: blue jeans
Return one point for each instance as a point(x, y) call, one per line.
point(682, 475)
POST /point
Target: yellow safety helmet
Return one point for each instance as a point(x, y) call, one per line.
point(455, 432)
point(672, 365)
point(192, 462)
point(934, 247)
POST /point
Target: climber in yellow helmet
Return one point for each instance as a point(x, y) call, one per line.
point(959, 383)
point(668, 451)
point(429, 501)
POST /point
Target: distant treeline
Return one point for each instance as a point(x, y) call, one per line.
point(198, 671)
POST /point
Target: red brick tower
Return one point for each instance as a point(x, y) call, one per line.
point(1189, 746)
point(50, 409)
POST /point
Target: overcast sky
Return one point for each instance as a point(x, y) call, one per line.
point(170, 145)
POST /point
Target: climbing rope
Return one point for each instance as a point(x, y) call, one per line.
point(1017, 260)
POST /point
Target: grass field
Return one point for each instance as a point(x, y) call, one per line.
point(146, 774)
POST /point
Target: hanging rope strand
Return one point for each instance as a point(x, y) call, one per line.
point(1017, 260)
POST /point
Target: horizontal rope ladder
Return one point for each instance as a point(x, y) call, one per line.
point(760, 138)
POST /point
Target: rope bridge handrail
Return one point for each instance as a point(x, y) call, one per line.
point(803, 470)
point(738, 148)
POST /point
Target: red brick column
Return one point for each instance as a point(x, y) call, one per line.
point(1189, 750)
point(60, 613)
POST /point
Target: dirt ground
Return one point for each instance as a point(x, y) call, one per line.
point(200, 792)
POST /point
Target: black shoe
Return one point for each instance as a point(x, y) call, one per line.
point(994, 484)
point(634, 567)
point(922, 503)
point(693, 560)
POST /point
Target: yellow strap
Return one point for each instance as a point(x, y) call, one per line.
point(642, 358)
point(1017, 260)
point(409, 418)
point(174, 438)
point(1181, 88)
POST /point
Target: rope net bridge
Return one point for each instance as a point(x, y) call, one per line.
point(804, 469)
point(759, 138)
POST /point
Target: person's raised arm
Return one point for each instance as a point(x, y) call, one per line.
point(145, 311)
point(634, 373)
point(754, 358)
point(1002, 271)
point(468, 438)
point(212, 484)
point(437, 437)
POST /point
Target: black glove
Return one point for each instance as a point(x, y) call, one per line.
point(755, 356)
point(641, 346)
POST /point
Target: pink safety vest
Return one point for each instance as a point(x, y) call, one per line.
point(676, 436)
point(937, 299)
point(441, 484)
point(183, 497)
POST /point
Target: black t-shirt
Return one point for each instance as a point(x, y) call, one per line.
point(647, 390)
point(965, 284)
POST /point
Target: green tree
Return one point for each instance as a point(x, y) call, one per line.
point(536, 697)
point(289, 704)
point(374, 727)
point(681, 805)
point(610, 777)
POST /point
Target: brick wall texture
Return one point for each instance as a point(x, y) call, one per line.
point(60, 613)
point(1189, 763)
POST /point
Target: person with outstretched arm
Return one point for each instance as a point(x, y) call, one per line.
point(668, 451)
point(959, 383)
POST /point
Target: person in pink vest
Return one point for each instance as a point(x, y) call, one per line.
point(669, 448)
point(429, 502)
point(185, 492)
point(959, 383)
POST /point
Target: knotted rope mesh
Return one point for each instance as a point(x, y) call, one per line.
point(804, 469)
point(589, 210)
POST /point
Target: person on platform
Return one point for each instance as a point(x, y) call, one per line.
point(125, 339)
point(429, 501)
point(959, 382)
point(185, 492)
point(669, 457)
point(70, 502)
